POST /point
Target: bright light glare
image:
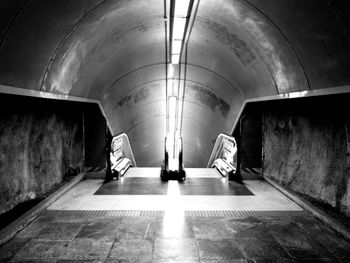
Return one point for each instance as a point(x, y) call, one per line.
point(171, 145)
point(174, 215)
point(181, 8)
point(175, 59)
point(172, 114)
point(173, 191)
point(170, 86)
point(173, 162)
point(176, 46)
point(171, 70)
point(179, 28)
point(170, 79)
point(179, 106)
point(173, 221)
point(298, 94)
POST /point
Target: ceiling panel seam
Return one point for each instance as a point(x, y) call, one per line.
point(157, 116)
point(285, 37)
point(114, 101)
point(92, 10)
point(164, 116)
point(161, 63)
point(222, 77)
point(135, 109)
point(204, 85)
point(187, 133)
point(127, 74)
point(270, 72)
point(13, 18)
point(337, 13)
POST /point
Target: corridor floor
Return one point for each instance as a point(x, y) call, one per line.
point(173, 222)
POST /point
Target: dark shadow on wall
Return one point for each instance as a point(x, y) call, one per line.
point(306, 147)
point(248, 135)
point(41, 144)
point(95, 141)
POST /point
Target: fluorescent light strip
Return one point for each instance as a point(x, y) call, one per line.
point(172, 101)
point(175, 58)
point(179, 119)
point(170, 86)
point(181, 8)
point(179, 28)
point(171, 70)
point(176, 46)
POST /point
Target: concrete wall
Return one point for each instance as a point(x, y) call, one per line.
point(39, 141)
point(309, 152)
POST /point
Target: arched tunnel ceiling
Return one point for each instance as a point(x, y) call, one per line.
point(114, 52)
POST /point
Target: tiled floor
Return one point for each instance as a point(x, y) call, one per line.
point(83, 232)
point(293, 238)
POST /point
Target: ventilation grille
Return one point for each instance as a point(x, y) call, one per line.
point(242, 214)
point(158, 213)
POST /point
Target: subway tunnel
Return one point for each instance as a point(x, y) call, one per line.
point(273, 74)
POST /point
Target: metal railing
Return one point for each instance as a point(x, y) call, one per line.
point(217, 149)
point(122, 141)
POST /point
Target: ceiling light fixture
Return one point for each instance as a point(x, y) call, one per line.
point(172, 114)
point(179, 20)
point(181, 8)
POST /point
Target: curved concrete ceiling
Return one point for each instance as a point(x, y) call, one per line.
point(114, 52)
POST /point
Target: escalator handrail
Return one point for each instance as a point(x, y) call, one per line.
point(218, 140)
point(132, 157)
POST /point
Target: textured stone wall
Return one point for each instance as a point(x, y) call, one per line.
point(310, 155)
point(37, 149)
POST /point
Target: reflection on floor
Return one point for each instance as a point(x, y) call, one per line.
point(212, 186)
point(134, 186)
point(204, 189)
point(83, 227)
point(155, 186)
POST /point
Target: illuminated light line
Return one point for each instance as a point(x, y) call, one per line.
point(180, 18)
point(172, 114)
point(178, 23)
point(174, 214)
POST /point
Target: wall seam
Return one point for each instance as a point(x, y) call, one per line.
point(19, 10)
point(285, 37)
